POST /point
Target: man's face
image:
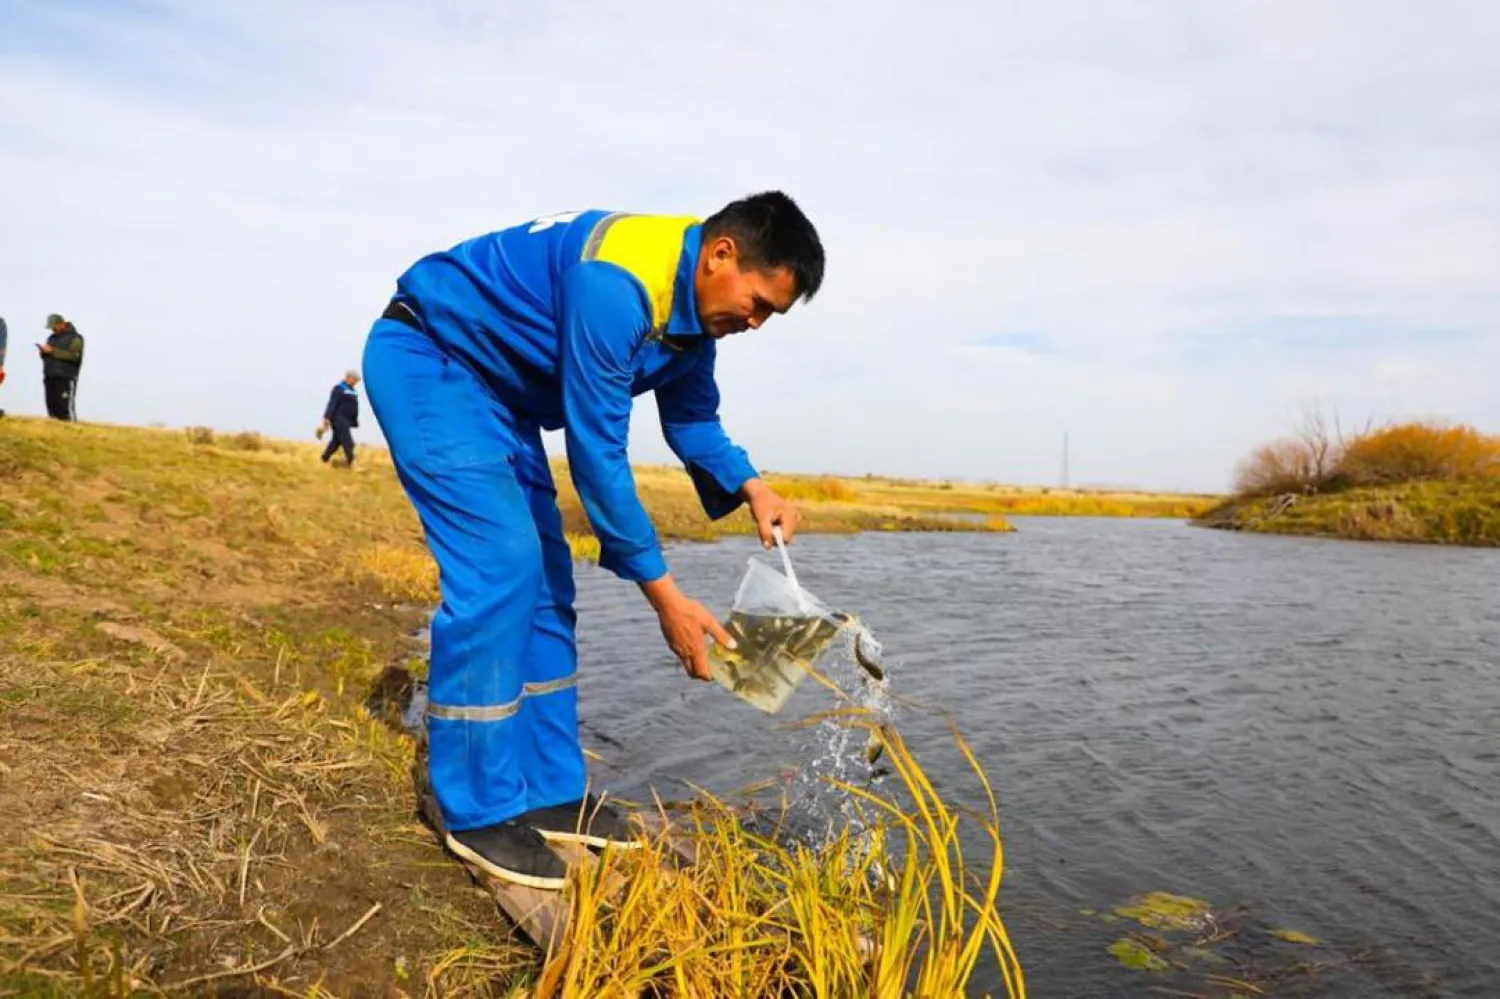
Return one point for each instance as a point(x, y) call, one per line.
point(732, 299)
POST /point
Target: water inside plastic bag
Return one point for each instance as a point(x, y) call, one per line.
point(780, 631)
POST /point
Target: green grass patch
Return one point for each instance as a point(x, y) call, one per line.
point(90, 703)
point(1454, 513)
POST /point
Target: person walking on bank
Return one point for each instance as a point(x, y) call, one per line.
point(62, 360)
point(341, 415)
point(554, 324)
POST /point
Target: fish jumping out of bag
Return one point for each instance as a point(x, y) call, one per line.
point(867, 661)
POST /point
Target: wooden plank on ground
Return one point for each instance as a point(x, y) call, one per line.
point(683, 846)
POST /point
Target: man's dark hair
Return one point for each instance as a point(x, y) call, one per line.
point(771, 231)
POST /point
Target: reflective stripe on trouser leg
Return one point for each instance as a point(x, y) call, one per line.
point(454, 449)
point(499, 712)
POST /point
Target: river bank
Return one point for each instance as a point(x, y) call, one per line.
point(1450, 513)
point(195, 794)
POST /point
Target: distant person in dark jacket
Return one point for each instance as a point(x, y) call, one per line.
point(341, 415)
point(3, 338)
point(62, 360)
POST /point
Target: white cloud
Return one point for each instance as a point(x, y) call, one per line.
point(222, 195)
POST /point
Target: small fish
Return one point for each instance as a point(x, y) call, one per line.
point(870, 665)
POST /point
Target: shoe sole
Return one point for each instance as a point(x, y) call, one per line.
point(495, 871)
point(584, 839)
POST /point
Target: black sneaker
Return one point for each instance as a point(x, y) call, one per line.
point(587, 821)
point(511, 852)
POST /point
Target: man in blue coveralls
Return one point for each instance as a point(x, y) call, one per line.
point(560, 323)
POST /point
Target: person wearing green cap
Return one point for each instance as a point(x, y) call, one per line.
point(62, 360)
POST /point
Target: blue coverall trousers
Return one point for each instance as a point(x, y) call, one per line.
point(502, 717)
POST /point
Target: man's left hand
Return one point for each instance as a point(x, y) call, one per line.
point(45, 348)
point(770, 510)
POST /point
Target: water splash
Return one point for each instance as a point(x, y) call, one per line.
point(816, 811)
point(837, 752)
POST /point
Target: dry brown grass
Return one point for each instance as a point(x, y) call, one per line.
point(193, 797)
point(191, 802)
point(404, 572)
point(826, 488)
point(899, 910)
point(995, 499)
point(829, 505)
point(191, 794)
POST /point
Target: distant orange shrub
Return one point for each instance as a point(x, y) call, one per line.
point(1316, 460)
point(1412, 452)
point(1286, 465)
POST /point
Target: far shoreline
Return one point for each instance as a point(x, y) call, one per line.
point(1460, 514)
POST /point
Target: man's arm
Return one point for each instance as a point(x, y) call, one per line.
point(603, 317)
point(689, 410)
point(333, 405)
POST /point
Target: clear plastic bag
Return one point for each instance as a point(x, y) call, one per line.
point(780, 631)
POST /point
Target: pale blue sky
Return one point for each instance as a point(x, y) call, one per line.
point(1162, 228)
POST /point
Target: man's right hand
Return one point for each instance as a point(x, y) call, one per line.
point(684, 622)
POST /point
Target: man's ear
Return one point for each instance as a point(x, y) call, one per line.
point(723, 250)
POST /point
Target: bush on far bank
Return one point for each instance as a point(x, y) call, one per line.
point(1315, 460)
point(1281, 466)
point(1420, 452)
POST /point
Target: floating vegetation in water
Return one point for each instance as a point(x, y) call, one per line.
point(1189, 944)
point(1136, 955)
point(1162, 910)
point(1296, 937)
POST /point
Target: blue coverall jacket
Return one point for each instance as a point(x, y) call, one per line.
point(557, 323)
point(566, 319)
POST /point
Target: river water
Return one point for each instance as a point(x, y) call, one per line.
point(1304, 734)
